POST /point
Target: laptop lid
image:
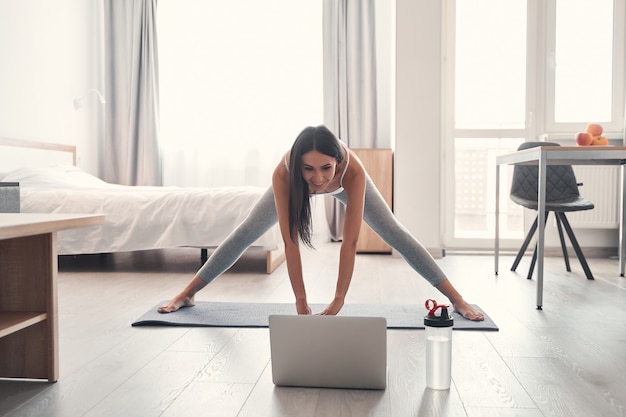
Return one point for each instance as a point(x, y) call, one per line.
point(329, 351)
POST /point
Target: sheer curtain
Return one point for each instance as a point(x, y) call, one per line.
point(238, 82)
point(349, 82)
point(131, 147)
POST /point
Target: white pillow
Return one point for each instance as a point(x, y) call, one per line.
point(53, 176)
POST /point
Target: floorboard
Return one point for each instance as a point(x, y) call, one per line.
point(564, 360)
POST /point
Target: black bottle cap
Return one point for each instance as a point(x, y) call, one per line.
point(443, 320)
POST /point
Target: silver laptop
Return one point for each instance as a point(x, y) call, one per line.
point(329, 351)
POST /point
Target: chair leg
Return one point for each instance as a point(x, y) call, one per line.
point(579, 252)
point(531, 269)
point(534, 259)
point(529, 237)
point(562, 239)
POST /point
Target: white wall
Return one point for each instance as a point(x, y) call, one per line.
point(385, 71)
point(418, 164)
point(49, 53)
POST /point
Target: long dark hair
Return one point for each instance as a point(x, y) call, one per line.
point(311, 138)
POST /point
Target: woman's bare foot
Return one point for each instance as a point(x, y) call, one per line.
point(460, 305)
point(176, 303)
point(467, 311)
point(186, 298)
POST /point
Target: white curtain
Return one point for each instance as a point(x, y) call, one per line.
point(349, 82)
point(131, 148)
point(238, 82)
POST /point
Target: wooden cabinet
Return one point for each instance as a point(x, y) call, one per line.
point(379, 165)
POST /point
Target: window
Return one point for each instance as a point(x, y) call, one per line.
point(518, 70)
point(490, 64)
point(238, 82)
point(583, 68)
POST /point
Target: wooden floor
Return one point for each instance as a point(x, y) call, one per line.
point(567, 360)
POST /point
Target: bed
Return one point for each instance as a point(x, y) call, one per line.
point(136, 217)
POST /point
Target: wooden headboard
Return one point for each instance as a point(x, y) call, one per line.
point(16, 153)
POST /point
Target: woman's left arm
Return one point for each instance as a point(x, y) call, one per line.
point(355, 188)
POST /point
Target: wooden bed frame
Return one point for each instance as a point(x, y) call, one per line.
point(273, 258)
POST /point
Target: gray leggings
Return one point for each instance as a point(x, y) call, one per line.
point(376, 214)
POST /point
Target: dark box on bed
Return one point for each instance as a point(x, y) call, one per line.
point(9, 197)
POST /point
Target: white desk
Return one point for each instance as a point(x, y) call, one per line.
point(560, 155)
point(28, 292)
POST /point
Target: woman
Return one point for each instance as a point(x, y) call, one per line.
point(319, 163)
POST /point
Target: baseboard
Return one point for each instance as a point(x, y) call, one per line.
point(551, 251)
point(436, 253)
point(589, 252)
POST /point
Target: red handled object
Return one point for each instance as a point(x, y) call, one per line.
point(432, 306)
point(443, 320)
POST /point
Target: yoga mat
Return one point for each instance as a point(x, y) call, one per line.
point(220, 314)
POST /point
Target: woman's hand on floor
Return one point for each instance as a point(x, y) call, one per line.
point(333, 308)
point(302, 307)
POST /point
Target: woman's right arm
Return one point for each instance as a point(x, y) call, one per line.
point(280, 184)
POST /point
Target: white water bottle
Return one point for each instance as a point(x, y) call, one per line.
point(438, 346)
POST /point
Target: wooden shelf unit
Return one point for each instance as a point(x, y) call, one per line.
point(28, 292)
point(12, 322)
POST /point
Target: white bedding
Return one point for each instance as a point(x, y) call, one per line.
point(136, 218)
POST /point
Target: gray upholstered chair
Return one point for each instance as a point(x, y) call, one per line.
point(562, 196)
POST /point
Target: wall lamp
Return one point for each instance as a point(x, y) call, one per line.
point(79, 102)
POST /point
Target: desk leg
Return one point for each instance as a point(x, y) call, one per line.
point(541, 225)
point(497, 242)
point(622, 223)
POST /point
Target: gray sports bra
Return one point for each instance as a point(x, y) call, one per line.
point(340, 189)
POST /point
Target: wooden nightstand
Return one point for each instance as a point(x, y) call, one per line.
point(379, 165)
